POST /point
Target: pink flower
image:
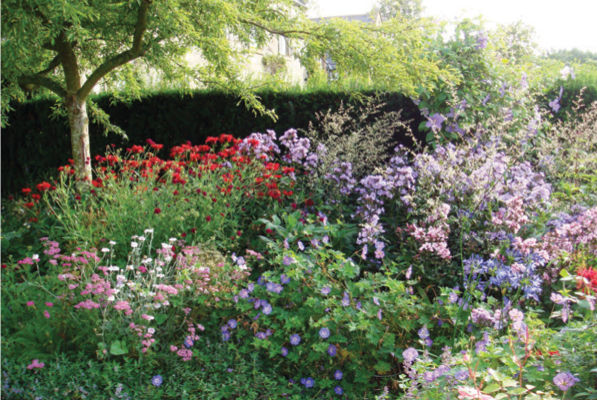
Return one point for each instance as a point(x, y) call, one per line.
point(49, 304)
point(46, 314)
point(147, 317)
point(36, 364)
point(88, 304)
point(30, 304)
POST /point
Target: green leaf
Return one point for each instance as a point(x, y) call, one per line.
point(118, 348)
point(382, 367)
point(494, 387)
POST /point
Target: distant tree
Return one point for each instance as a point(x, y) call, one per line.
point(70, 46)
point(572, 55)
point(389, 9)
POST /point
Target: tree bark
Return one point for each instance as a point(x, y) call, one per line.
point(79, 136)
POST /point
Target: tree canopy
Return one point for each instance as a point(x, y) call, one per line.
point(69, 46)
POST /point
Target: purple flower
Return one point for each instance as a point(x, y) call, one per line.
point(375, 300)
point(338, 390)
point(284, 351)
point(267, 309)
point(295, 339)
point(324, 333)
point(244, 293)
point(157, 380)
point(232, 323)
point(565, 380)
point(225, 336)
point(423, 332)
point(481, 40)
point(435, 122)
point(379, 314)
point(309, 383)
point(410, 354)
point(188, 342)
point(332, 350)
point(345, 300)
point(555, 104)
point(288, 260)
point(284, 279)
point(300, 245)
point(338, 375)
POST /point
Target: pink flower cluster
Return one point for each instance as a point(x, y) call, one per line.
point(513, 216)
point(433, 239)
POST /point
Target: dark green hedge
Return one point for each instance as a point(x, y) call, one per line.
point(34, 144)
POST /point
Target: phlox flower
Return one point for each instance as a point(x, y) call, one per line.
point(36, 364)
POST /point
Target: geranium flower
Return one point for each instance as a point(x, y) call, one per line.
point(565, 380)
point(157, 380)
point(295, 339)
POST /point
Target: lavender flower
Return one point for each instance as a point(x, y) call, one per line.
point(345, 300)
point(338, 375)
point(284, 279)
point(284, 351)
point(338, 390)
point(332, 350)
point(309, 383)
point(435, 122)
point(157, 380)
point(232, 323)
point(324, 333)
point(565, 380)
point(325, 290)
point(288, 260)
point(295, 339)
point(410, 354)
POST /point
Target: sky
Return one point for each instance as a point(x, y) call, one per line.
point(558, 24)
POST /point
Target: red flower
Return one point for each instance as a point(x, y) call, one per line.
point(26, 191)
point(135, 149)
point(157, 210)
point(309, 202)
point(587, 280)
point(35, 196)
point(97, 182)
point(4, 266)
point(42, 187)
point(29, 204)
point(208, 218)
point(193, 230)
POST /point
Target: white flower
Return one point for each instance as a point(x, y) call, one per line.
point(168, 258)
point(172, 240)
point(105, 250)
point(111, 298)
point(112, 243)
point(120, 278)
point(159, 269)
point(166, 246)
point(141, 238)
point(35, 257)
point(149, 231)
point(130, 268)
point(113, 268)
point(151, 331)
point(160, 275)
point(134, 245)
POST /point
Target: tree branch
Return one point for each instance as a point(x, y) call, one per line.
point(44, 81)
point(274, 31)
point(135, 51)
point(52, 66)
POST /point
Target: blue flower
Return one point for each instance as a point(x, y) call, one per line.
point(435, 122)
point(284, 279)
point(225, 336)
point(295, 339)
point(267, 309)
point(309, 383)
point(324, 333)
point(565, 380)
point(423, 332)
point(332, 350)
point(232, 323)
point(338, 375)
point(338, 390)
point(325, 290)
point(284, 351)
point(157, 380)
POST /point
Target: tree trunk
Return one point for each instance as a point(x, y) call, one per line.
point(79, 137)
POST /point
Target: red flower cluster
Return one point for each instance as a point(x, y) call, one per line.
point(219, 156)
point(587, 280)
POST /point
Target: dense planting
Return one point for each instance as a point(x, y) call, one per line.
point(285, 265)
